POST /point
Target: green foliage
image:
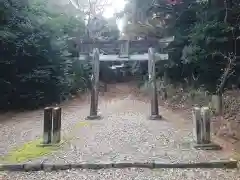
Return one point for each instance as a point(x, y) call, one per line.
point(204, 43)
point(36, 66)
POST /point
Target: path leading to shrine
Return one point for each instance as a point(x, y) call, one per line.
point(123, 134)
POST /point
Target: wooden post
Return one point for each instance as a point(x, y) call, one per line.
point(152, 81)
point(196, 112)
point(47, 125)
point(95, 86)
point(57, 112)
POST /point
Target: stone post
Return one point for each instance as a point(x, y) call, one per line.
point(196, 112)
point(203, 140)
point(57, 112)
point(206, 130)
point(47, 125)
point(95, 86)
point(217, 104)
point(152, 82)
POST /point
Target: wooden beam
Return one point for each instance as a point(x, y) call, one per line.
point(113, 46)
point(135, 57)
point(96, 43)
point(103, 42)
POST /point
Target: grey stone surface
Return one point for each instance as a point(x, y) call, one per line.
point(144, 165)
point(48, 167)
point(61, 166)
point(97, 117)
point(12, 167)
point(210, 146)
point(33, 167)
point(96, 166)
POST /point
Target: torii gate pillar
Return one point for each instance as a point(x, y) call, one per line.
point(95, 86)
point(152, 82)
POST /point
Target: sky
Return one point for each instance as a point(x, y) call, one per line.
point(117, 5)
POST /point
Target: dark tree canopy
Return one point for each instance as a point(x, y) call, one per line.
point(38, 65)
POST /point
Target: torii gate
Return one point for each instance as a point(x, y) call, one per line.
point(121, 50)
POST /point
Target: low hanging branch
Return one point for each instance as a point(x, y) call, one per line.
point(195, 78)
point(227, 72)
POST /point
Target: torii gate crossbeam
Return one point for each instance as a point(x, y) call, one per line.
point(151, 57)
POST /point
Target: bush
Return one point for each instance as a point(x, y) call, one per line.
point(36, 66)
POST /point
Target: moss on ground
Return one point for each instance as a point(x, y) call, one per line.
point(236, 156)
point(28, 151)
point(33, 149)
point(81, 124)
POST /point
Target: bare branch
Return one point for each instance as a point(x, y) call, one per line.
point(229, 70)
point(195, 78)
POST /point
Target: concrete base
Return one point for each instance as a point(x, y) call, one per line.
point(46, 138)
point(210, 146)
point(155, 117)
point(96, 117)
point(50, 145)
point(120, 165)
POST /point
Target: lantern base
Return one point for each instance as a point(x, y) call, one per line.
point(209, 146)
point(155, 117)
point(94, 117)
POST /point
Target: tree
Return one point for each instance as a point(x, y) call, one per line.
point(96, 24)
point(152, 19)
point(35, 64)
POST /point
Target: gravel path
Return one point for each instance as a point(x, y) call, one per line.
point(19, 128)
point(128, 174)
point(124, 133)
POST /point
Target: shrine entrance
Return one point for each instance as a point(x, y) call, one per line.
point(123, 50)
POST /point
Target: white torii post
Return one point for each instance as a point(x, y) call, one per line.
point(95, 86)
point(152, 81)
point(124, 50)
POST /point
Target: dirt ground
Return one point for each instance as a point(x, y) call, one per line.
point(225, 127)
point(125, 133)
point(16, 124)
